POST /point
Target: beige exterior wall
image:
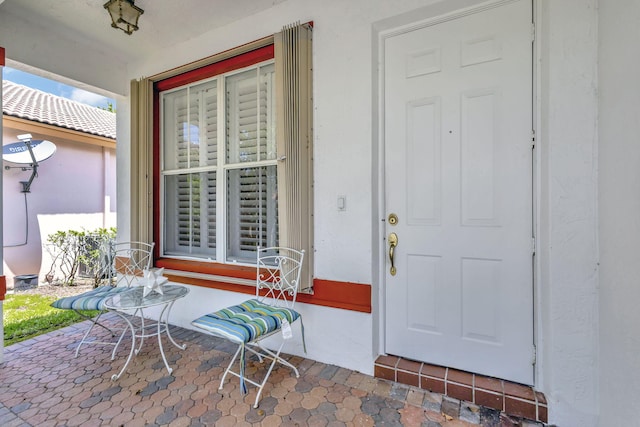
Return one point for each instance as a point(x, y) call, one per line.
point(74, 189)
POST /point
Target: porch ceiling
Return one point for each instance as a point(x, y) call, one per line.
point(162, 24)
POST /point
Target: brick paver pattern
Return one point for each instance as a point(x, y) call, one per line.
point(42, 384)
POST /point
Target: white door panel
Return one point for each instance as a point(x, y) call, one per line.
point(458, 173)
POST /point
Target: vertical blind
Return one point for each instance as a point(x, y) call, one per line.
point(141, 208)
point(295, 142)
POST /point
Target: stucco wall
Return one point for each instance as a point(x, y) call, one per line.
point(619, 157)
point(567, 242)
point(70, 57)
point(339, 337)
point(74, 189)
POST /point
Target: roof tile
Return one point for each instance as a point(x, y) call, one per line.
point(32, 104)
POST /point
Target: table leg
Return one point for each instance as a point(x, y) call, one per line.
point(142, 334)
point(163, 322)
point(181, 347)
point(117, 344)
point(133, 345)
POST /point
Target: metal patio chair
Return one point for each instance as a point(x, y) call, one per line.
point(123, 264)
point(270, 313)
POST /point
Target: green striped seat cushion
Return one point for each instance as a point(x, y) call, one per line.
point(90, 300)
point(245, 322)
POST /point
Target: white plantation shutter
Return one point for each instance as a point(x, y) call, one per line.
point(252, 211)
point(194, 177)
point(209, 137)
point(190, 142)
point(250, 116)
point(251, 174)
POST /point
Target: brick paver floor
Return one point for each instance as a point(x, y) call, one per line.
point(42, 384)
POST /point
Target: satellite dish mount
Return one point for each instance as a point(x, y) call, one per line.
point(28, 153)
point(26, 185)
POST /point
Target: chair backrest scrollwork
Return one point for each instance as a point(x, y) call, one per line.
point(278, 275)
point(126, 262)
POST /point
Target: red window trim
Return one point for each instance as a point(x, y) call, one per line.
point(234, 63)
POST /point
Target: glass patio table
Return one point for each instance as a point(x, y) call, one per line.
point(135, 301)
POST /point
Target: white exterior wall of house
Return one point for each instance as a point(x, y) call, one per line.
point(619, 204)
point(567, 283)
point(74, 190)
point(586, 117)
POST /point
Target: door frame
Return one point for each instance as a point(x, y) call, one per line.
point(423, 17)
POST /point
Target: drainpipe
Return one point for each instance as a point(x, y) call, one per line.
point(3, 280)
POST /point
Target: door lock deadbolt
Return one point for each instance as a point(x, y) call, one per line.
point(393, 219)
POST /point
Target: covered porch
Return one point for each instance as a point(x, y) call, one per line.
point(42, 384)
point(579, 236)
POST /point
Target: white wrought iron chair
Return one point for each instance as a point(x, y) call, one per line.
point(269, 313)
point(123, 265)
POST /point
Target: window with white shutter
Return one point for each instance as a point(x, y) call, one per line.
point(218, 167)
point(210, 182)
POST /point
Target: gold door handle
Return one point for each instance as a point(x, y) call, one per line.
point(393, 242)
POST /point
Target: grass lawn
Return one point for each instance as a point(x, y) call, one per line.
point(29, 315)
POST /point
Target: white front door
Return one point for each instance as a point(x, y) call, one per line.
point(458, 176)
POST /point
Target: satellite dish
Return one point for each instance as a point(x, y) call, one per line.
point(18, 152)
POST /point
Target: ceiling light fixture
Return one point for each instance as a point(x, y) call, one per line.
point(124, 14)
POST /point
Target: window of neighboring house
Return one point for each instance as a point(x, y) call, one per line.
point(218, 166)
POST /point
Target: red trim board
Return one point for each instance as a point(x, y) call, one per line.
point(326, 293)
point(221, 67)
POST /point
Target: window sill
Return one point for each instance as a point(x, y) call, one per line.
point(208, 268)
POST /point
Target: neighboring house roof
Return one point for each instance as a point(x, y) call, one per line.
point(32, 104)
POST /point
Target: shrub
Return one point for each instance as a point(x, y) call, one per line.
point(73, 251)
